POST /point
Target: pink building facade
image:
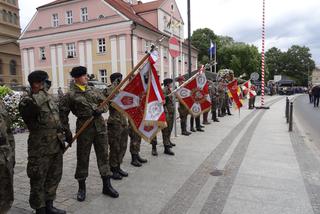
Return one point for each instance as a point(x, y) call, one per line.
point(106, 36)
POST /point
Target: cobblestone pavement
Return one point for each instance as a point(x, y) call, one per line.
point(259, 173)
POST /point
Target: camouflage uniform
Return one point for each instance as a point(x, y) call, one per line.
point(183, 114)
point(213, 92)
point(169, 110)
point(135, 141)
point(41, 114)
point(83, 104)
point(7, 160)
point(221, 97)
point(117, 134)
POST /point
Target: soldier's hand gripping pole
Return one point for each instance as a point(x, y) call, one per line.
point(114, 91)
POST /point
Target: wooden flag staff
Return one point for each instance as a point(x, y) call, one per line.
point(114, 91)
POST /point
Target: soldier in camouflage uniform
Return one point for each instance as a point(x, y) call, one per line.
point(183, 113)
point(83, 101)
point(221, 97)
point(7, 160)
point(45, 143)
point(135, 142)
point(169, 109)
point(117, 126)
point(213, 92)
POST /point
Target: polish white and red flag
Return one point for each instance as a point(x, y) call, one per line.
point(142, 100)
point(249, 90)
point(194, 94)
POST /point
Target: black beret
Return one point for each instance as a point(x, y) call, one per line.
point(167, 81)
point(78, 71)
point(115, 76)
point(37, 76)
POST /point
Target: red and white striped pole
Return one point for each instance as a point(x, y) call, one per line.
point(262, 54)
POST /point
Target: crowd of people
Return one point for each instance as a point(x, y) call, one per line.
point(49, 130)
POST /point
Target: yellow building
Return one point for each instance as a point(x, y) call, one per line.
point(10, 62)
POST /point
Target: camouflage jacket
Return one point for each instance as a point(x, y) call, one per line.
point(82, 104)
point(41, 114)
point(213, 92)
point(169, 105)
point(115, 117)
point(7, 145)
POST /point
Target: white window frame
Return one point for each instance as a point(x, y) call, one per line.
point(84, 14)
point(55, 20)
point(103, 74)
point(165, 53)
point(69, 17)
point(71, 50)
point(147, 45)
point(42, 53)
point(101, 46)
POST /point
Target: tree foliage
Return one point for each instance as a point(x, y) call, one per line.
point(295, 63)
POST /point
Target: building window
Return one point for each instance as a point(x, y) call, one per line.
point(1, 71)
point(147, 45)
point(69, 17)
point(165, 53)
point(103, 75)
point(42, 52)
point(10, 17)
point(71, 50)
point(15, 19)
point(84, 14)
point(13, 67)
point(101, 45)
point(55, 20)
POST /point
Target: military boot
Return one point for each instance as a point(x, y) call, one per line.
point(134, 160)
point(122, 173)
point(115, 173)
point(141, 160)
point(107, 188)
point(167, 150)
point(172, 144)
point(50, 209)
point(184, 130)
point(41, 210)
point(81, 196)
point(154, 150)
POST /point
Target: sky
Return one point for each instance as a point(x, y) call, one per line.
point(288, 22)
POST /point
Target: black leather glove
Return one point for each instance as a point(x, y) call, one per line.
point(97, 112)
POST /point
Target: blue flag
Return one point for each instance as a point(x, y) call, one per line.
point(212, 48)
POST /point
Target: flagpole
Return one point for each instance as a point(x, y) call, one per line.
point(114, 91)
point(215, 58)
point(210, 52)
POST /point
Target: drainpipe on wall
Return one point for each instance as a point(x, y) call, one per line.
point(134, 26)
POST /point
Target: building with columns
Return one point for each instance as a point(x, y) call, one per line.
point(10, 65)
point(106, 36)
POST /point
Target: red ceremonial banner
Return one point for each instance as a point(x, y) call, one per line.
point(234, 92)
point(194, 94)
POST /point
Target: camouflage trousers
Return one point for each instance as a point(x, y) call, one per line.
point(166, 132)
point(118, 141)
point(6, 178)
point(183, 119)
point(45, 173)
point(84, 143)
point(135, 142)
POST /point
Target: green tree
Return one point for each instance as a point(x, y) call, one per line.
point(201, 40)
point(240, 57)
point(274, 62)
